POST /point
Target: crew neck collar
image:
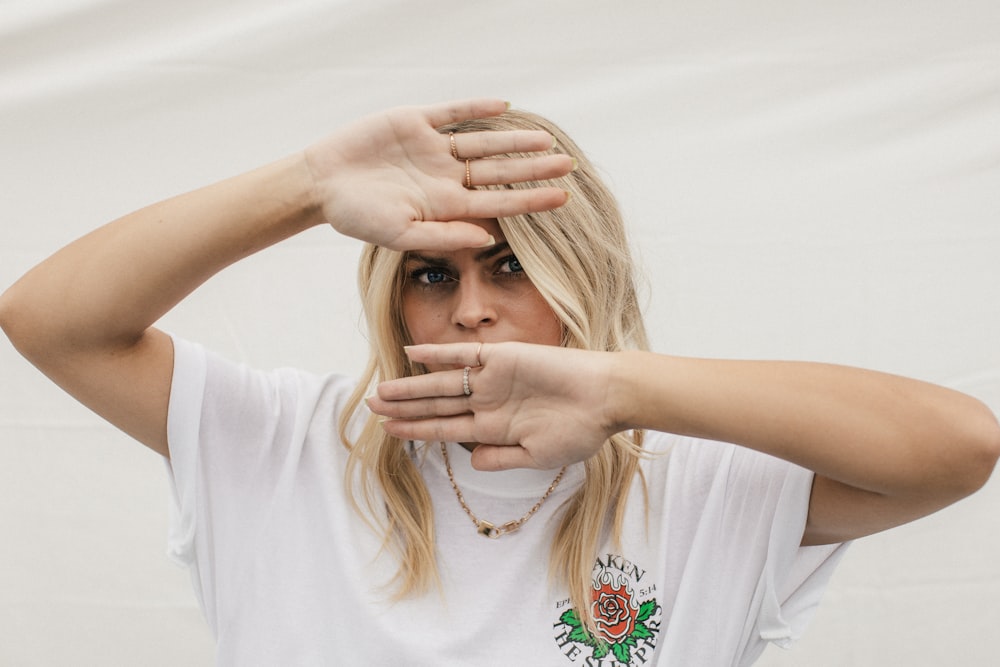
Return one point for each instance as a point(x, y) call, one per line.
point(515, 483)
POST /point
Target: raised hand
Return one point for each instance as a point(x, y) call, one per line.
point(538, 406)
point(391, 178)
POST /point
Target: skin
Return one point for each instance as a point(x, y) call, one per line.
point(478, 295)
point(85, 315)
point(885, 449)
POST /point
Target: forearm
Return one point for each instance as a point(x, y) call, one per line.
point(880, 433)
point(109, 286)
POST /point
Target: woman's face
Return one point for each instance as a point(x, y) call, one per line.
point(474, 295)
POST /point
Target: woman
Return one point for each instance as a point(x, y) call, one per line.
point(329, 521)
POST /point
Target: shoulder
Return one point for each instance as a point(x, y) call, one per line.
point(224, 391)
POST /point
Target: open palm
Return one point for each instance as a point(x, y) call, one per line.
point(391, 179)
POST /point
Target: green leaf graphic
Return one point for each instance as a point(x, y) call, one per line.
point(570, 618)
point(622, 653)
point(601, 650)
point(641, 631)
point(646, 610)
point(581, 635)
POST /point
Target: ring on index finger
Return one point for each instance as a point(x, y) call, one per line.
point(454, 147)
point(479, 350)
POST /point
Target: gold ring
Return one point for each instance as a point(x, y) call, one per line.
point(454, 148)
point(468, 175)
point(478, 350)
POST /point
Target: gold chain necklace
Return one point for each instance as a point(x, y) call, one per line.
point(484, 527)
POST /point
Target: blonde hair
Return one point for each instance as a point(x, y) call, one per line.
point(577, 256)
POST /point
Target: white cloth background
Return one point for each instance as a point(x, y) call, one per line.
point(803, 180)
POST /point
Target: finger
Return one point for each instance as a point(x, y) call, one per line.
point(459, 110)
point(490, 143)
point(518, 170)
point(502, 457)
point(453, 235)
point(429, 385)
point(447, 429)
point(419, 408)
point(449, 354)
point(485, 204)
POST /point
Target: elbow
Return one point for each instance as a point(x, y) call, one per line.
point(7, 313)
point(991, 450)
point(982, 449)
point(16, 321)
point(960, 457)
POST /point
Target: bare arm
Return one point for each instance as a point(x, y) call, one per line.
point(886, 449)
point(84, 316)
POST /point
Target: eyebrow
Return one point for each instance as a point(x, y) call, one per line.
point(492, 251)
point(489, 253)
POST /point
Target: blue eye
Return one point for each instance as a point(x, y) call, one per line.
point(434, 277)
point(429, 276)
point(510, 265)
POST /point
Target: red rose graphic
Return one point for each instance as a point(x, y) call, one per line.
point(613, 611)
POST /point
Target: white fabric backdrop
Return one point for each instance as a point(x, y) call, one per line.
point(803, 180)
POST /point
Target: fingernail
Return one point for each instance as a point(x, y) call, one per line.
point(568, 195)
point(382, 420)
point(492, 241)
point(575, 164)
point(507, 104)
point(554, 142)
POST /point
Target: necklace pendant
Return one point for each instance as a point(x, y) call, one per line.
point(484, 527)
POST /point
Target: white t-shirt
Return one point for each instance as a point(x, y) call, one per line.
point(287, 573)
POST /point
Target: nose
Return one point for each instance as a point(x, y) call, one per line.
point(474, 306)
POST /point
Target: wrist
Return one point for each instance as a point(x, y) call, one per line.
point(642, 392)
point(304, 190)
point(623, 392)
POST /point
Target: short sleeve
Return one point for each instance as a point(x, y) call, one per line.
point(794, 577)
point(231, 431)
point(187, 391)
point(732, 524)
point(251, 452)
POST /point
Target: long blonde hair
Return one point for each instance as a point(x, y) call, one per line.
point(577, 256)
